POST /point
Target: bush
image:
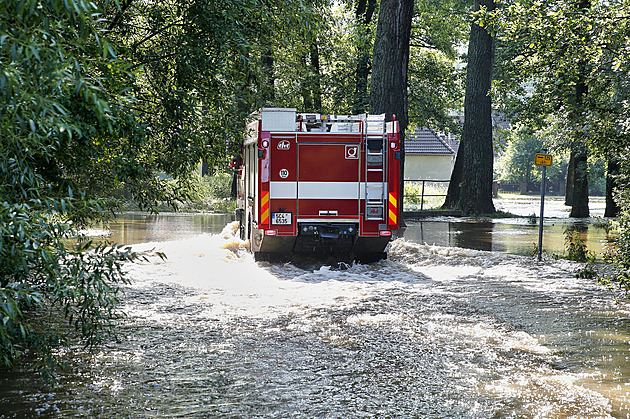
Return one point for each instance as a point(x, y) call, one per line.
point(618, 253)
point(576, 247)
point(65, 126)
point(41, 270)
point(190, 193)
point(618, 249)
point(209, 193)
point(220, 185)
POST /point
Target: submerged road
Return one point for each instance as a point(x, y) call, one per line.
point(432, 332)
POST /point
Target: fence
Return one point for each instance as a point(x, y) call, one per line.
point(417, 190)
point(529, 188)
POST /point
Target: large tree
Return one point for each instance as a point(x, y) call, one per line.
point(560, 53)
point(470, 188)
point(390, 62)
point(579, 152)
point(574, 56)
point(364, 12)
point(388, 88)
point(204, 66)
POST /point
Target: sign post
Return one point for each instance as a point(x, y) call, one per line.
point(544, 160)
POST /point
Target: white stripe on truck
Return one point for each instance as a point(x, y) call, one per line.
point(326, 190)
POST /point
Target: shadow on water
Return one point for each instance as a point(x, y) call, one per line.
point(474, 236)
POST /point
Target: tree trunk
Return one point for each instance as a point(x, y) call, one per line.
point(579, 197)
point(307, 98)
point(311, 85)
point(568, 193)
point(476, 182)
point(454, 186)
point(268, 91)
point(363, 15)
point(612, 209)
point(579, 153)
point(388, 88)
point(316, 87)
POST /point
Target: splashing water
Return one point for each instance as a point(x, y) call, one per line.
point(431, 332)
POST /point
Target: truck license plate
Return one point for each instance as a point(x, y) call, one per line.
point(281, 218)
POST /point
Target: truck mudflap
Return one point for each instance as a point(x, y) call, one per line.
point(325, 238)
point(321, 241)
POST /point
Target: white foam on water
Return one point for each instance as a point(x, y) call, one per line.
point(483, 351)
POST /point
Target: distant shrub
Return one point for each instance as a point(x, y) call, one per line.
point(220, 185)
point(576, 247)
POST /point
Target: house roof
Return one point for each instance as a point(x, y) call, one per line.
point(424, 141)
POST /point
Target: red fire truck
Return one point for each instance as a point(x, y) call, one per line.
point(325, 185)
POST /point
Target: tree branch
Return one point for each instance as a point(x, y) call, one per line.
point(424, 46)
point(119, 15)
point(155, 33)
point(154, 59)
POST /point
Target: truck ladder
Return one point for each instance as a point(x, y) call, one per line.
point(374, 163)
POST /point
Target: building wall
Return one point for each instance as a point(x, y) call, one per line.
point(429, 167)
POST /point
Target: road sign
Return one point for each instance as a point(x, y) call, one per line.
point(543, 160)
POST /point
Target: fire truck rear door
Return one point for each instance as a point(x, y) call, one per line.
point(329, 180)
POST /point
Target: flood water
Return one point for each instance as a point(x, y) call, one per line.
point(432, 332)
point(515, 235)
point(509, 235)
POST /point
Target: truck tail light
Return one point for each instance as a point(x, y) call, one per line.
point(385, 233)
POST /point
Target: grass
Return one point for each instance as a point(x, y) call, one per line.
point(415, 201)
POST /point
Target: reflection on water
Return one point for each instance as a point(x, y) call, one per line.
point(515, 236)
point(133, 228)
